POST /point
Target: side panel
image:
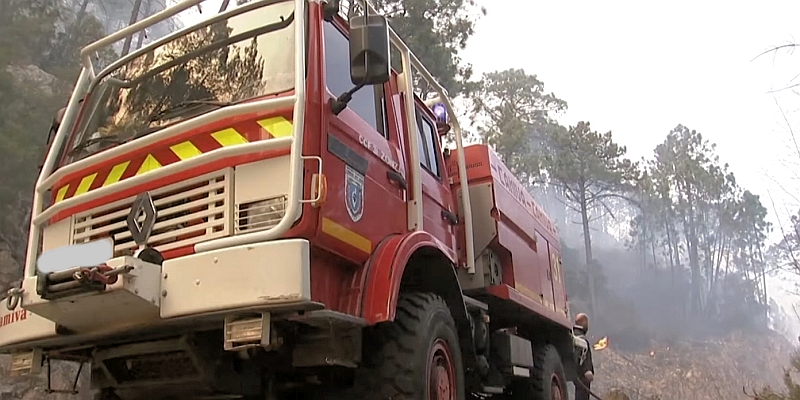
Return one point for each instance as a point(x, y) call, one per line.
point(525, 236)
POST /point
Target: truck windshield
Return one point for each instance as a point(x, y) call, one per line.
point(245, 56)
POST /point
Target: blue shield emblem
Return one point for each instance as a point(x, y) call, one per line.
point(354, 193)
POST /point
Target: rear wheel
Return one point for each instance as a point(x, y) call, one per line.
point(415, 357)
point(547, 381)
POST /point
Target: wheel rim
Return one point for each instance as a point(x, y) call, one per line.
point(441, 375)
point(555, 388)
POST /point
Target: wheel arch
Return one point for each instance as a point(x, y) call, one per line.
point(415, 262)
point(561, 338)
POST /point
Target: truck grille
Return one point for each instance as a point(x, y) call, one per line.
point(189, 212)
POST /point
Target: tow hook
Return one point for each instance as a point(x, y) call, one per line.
point(13, 298)
point(79, 280)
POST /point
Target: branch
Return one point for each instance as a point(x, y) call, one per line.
point(570, 195)
point(788, 125)
point(607, 195)
point(783, 232)
point(775, 49)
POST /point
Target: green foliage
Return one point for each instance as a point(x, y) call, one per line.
point(785, 254)
point(590, 168)
point(513, 113)
point(436, 31)
point(691, 212)
point(29, 97)
point(691, 204)
point(26, 29)
point(67, 46)
point(588, 165)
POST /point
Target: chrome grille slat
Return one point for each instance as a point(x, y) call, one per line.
point(177, 243)
point(189, 212)
point(124, 205)
point(159, 225)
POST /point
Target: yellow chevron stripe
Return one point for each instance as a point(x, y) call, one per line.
point(116, 173)
point(85, 184)
point(277, 126)
point(185, 150)
point(150, 164)
point(61, 193)
point(228, 137)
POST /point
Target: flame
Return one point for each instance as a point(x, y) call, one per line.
point(601, 344)
point(652, 353)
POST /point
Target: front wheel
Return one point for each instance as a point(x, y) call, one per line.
point(415, 357)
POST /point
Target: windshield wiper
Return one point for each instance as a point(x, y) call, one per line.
point(186, 106)
point(114, 139)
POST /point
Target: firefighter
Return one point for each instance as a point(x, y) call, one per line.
point(586, 367)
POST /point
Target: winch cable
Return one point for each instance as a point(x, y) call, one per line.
point(587, 389)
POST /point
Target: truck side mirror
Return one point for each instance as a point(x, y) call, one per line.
point(369, 50)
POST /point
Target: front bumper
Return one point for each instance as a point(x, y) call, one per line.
point(266, 276)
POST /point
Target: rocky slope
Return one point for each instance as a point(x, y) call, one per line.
point(697, 370)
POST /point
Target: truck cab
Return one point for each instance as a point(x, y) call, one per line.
point(260, 205)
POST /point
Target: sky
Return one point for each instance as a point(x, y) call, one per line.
point(639, 69)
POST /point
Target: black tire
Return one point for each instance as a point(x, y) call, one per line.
point(403, 358)
point(547, 381)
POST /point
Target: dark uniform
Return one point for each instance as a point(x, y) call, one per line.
point(580, 392)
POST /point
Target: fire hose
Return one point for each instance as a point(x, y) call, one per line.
point(583, 385)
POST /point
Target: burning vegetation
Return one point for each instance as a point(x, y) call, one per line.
point(709, 369)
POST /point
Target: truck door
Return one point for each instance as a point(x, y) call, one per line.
point(559, 291)
point(438, 212)
point(546, 266)
point(361, 159)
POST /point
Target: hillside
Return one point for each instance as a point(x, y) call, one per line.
point(713, 369)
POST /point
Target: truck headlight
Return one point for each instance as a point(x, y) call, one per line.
point(260, 215)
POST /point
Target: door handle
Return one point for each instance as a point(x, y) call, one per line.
point(395, 176)
point(450, 217)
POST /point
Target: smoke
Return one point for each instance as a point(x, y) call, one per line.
point(640, 297)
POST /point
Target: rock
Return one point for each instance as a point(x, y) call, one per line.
point(10, 269)
point(31, 76)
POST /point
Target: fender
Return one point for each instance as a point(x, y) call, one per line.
point(385, 273)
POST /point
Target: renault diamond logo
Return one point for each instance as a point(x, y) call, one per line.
point(142, 218)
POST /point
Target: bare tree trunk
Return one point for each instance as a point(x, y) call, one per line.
point(81, 12)
point(142, 34)
point(126, 47)
point(655, 260)
point(587, 243)
point(694, 257)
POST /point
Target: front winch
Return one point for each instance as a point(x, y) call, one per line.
point(56, 285)
point(121, 293)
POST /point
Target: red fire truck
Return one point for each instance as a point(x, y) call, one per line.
point(260, 206)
